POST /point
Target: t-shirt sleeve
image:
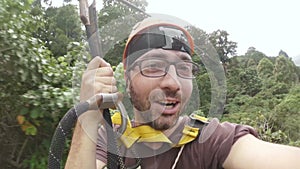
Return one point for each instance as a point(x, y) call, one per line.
point(216, 140)
point(101, 150)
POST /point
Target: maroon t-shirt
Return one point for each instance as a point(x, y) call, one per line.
point(208, 151)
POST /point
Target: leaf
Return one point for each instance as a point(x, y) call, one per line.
point(31, 130)
point(61, 59)
point(20, 119)
point(34, 113)
point(25, 125)
point(24, 111)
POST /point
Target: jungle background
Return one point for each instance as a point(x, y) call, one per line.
point(41, 48)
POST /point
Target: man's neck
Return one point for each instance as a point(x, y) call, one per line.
point(167, 133)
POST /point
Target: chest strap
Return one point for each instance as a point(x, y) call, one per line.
point(145, 133)
point(191, 131)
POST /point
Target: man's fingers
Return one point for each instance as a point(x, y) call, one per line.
point(101, 88)
point(96, 63)
point(104, 71)
point(98, 78)
point(106, 80)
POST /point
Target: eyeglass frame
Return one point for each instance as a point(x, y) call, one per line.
point(138, 63)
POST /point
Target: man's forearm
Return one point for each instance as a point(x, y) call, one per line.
point(83, 148)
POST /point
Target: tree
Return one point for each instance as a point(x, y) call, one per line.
point(113, 10)
point(265, 68)
point(223, 45)
point(204, 86)
point(288, 114)
point(115, 23)
point(251, 84)
point(200, 37)
point(283, 53)
point(62, 26)
point(254, 54)
point(283, 70)
point(49, 2)
point(37, 87)
point(21, 57)
point(251, 63)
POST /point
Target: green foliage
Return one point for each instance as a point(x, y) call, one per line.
point(119, 76)
point(113, 10)
point(254, 54)
point(53, 97)
point(222, 44)
point(284, 71)
point(262, 123)
point(62, 26)
point(242, 79)
point(257, 98)
point(43, 56)
point(204, 86)
point(265, 69)
point(37, 85)
point(21, 62)
point(297, 70)
point(115, 54)
point(200, 37)
point(250, 83)
point(113, 16)
point(287, 114)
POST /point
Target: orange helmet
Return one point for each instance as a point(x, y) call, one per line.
point(154, 33)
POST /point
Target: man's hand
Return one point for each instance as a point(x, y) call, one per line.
point(98, 78)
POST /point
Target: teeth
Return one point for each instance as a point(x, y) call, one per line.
point(168, 103)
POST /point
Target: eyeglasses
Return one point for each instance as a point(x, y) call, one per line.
point(154, 68)
point(163, 36)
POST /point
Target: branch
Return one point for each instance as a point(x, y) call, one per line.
point(14, 163)
point(22, 149)
point(5, 49)
point(84, 12)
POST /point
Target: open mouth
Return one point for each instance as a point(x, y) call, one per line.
point(168, 105)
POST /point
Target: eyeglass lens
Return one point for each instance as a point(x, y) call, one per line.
point(158, 68)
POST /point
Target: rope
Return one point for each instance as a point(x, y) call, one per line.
point(63, 129)
point(177, 158)
point(113, 158)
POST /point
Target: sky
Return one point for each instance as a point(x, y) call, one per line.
point(267, 25)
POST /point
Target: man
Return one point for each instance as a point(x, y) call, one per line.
point(159, 73)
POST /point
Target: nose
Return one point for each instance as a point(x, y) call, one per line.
point(170, 80)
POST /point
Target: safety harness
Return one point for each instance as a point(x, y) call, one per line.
point(145, 133)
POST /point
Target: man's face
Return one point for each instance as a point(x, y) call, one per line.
point(158, 101)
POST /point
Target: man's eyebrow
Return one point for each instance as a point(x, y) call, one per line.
point(154, 55)
point(185, 57)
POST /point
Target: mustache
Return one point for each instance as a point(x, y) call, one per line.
point(151, 112)
point(159, 94)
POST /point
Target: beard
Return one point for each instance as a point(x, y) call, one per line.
point(151, 115)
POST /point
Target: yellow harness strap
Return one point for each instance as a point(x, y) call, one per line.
point(145, 133)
